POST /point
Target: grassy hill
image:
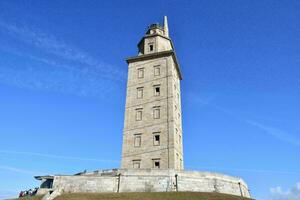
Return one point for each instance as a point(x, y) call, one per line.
point(145, 196)
point(31, 198)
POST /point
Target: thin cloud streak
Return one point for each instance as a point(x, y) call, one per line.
point(61, 68)
point(57, 156)
point(18, 170)
point(275, 132)
point(52, 45)
point(272, 131)
point(54, 76)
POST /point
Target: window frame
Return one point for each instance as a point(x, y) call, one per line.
point(136, 162)
point(140, 73)
point(151, 46)
point(137, 111)
point(156, 94)
point(137, 136)
point(139, 89)
point(156, 160)
point(155, 142)
point(156, 67)
point(156, 109)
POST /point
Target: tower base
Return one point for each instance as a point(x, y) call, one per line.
point(143, 180)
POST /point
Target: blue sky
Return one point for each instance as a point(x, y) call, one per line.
point(63, 79)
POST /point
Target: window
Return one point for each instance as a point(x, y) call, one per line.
point(175, 87)
point(175, 107)
point(156, 139)
point(141, 73)
point(156, 90)
point(178, 115)
point(176, 132)
point(177, 157)
point(156, 70)
point(151, 47)
point(156, 112)
point(136, 164)
point(156, 163)
point(138, 115)
point(137, 140)
point(140, 92)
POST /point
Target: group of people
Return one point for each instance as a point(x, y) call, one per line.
point(30, 192)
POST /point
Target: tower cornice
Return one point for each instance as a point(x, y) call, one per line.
point(156, 55)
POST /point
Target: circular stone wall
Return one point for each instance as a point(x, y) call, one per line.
point(149, 180)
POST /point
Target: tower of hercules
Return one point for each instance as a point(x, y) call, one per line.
point(152, 136)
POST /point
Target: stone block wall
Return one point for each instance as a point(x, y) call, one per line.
point(151, 180)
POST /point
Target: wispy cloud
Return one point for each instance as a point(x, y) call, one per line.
point(57, 156)
point(276, 133)
point(270, 130)
point(277, 193)
point(73, 70)
point(18, 170)
point(51, 44)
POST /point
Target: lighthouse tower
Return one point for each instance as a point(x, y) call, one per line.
point(152, 136)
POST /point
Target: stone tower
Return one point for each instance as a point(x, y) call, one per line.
point(152, 136)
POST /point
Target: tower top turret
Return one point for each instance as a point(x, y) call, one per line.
point(156, 43)
point(156, 39)
point(155, 29)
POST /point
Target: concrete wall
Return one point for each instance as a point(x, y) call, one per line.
point(150, 180)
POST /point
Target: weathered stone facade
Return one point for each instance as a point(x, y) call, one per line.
point(149, 180)
point(152, 136)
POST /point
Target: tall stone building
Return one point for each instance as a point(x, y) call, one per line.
point(152, 136)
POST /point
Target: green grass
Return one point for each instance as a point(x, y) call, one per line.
point(31, 198)
point(150, 196)
point(145, 196)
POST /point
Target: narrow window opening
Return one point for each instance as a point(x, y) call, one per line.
point(156, 163)
point(156, 90)
point(156, 139)
point(151, 47)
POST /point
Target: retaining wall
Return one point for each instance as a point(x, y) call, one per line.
point(151, 180)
